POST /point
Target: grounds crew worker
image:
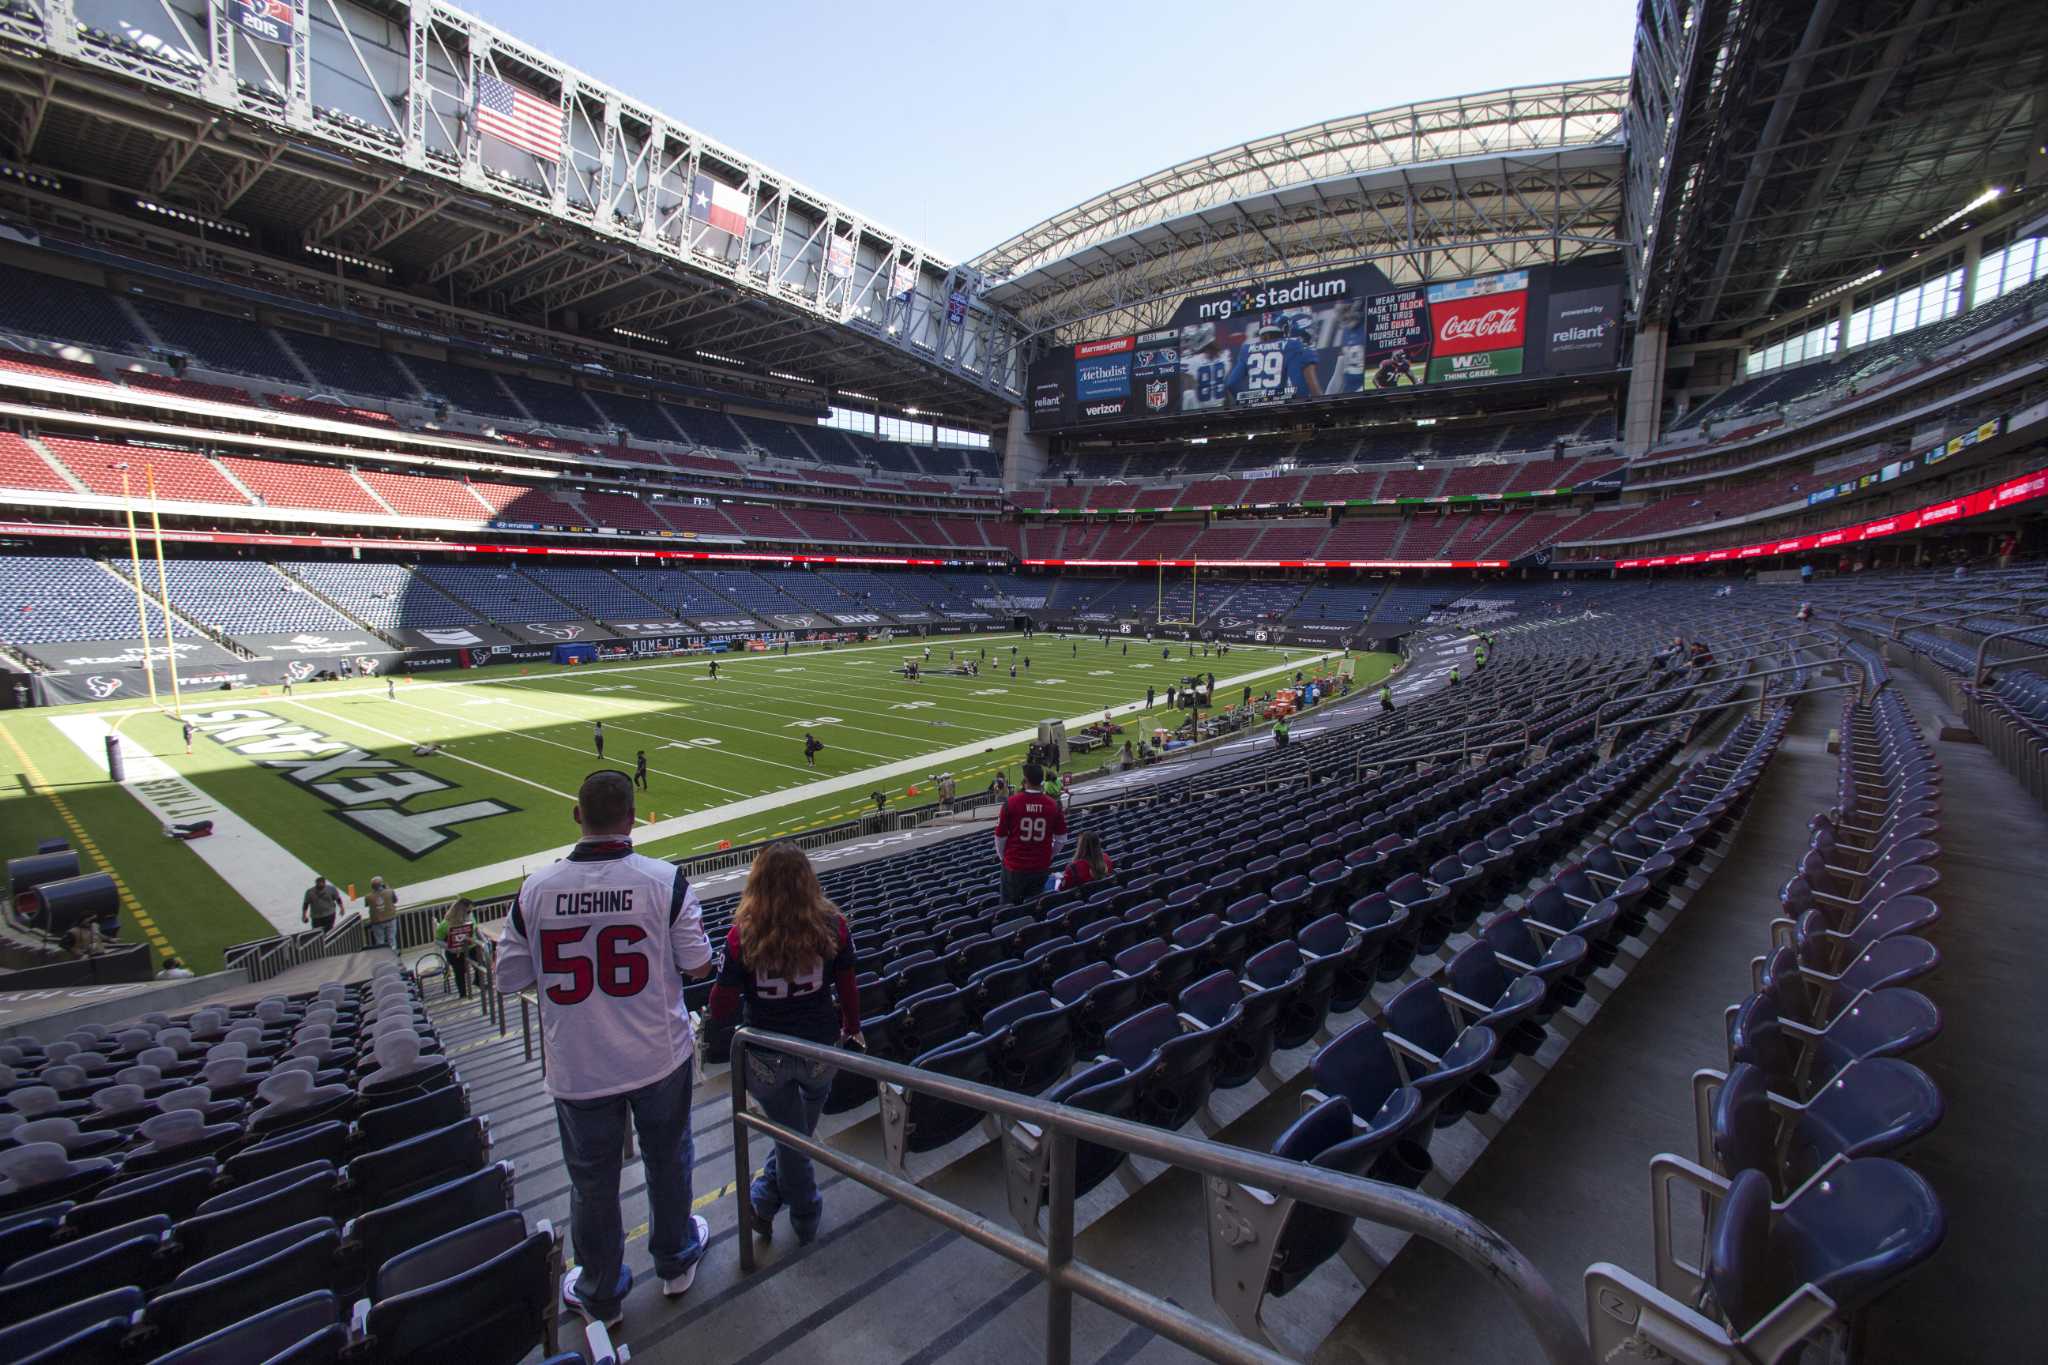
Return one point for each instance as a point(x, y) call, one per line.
point(608, 936)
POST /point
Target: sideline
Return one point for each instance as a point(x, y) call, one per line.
point(455, 883)
point(262, 871)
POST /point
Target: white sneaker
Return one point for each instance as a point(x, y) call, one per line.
point(575, 1302)
point(679, 1285)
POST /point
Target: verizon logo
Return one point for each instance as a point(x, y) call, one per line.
point(1493, 322)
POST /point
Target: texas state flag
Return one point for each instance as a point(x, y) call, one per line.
point(719, 204)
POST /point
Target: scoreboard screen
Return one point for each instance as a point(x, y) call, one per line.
point(1332, 336)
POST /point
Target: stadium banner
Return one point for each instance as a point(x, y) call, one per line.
point(1613, 480)
point(1335, 335)
point(451, 637)
point(839, 258)
point(556, 632)
point(779, 620)
point(266, 21)
point(129, 683)
point(2011, 493)
point(418, 660)
point(92, 656)
point(37, 530)
point(311, 645)
point(641, 630)
point(735, 625)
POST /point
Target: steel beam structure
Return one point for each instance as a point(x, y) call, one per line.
point(1431, 191)
point(357, 126)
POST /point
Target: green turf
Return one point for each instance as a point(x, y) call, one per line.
point(522, 737)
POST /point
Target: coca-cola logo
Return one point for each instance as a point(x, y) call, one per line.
point(1494, 322)
point(1489, 322)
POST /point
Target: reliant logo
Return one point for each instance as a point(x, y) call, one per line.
point(1494, 322)
point(1258, 300)
point(370, 794)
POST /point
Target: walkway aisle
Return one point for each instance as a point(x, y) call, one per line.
point(1986, 1159)
point(1568, 1179)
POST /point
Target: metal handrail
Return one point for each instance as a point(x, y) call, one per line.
point(1773, 698)
point(1559, 1334)
point(1977, 604)
point(1979, 674)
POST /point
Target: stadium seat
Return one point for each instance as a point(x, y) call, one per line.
point(485, 1292)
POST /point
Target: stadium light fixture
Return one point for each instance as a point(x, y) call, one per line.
point(195, 219)
point(792, 378)
point(722, 359)
point(647, 337)
point(1989, 196)
point(29, 177)
point(343, 257)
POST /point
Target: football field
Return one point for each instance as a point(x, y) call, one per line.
point(459, 782)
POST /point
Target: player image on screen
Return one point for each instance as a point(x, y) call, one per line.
point(1273, 367)
point(1348, 373)
point(1204, 363)
point(1394, 372)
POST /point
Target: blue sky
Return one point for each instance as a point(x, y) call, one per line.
point(960, 124)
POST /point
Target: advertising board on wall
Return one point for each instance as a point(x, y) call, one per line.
point(1335, 335)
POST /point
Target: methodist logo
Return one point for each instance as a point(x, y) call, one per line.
point(371, 795)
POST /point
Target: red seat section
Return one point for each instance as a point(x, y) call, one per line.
point(180, 475)
point(282, 484)
point(21, 466)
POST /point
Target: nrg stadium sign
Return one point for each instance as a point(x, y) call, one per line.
point(1290, 292)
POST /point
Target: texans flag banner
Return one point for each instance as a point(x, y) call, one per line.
point(719, 204)
point(268, 21)
point(527, 121)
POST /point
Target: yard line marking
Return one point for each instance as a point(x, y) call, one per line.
point(455, 883)
point(86, 842)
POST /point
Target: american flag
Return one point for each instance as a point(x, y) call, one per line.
point(528, 122)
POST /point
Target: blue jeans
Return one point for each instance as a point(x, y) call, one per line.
point(791, 1091)
point(384, 935)
point(593, 1148)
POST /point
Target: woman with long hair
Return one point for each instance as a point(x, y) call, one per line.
point(788, 954)
point(1090, 863)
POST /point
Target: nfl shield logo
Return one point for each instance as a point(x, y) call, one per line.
point(1155, 395)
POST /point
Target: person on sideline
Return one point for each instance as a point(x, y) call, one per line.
point(789, 968)
point(597, 736)
point(608, 937)
point(640, 769)
point(1031, 823)
point(321, 904)
point(457, 936)
point(1090, 863)
point(381, 903)
point(173, 969)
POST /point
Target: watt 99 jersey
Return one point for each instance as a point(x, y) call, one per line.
point(1272, 370)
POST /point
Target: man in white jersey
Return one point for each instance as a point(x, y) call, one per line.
point(608, 936)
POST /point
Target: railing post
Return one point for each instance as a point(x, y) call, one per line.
point(743, 1166)
point(1059, 1248)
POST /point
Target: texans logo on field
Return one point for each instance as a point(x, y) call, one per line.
point(1155, 395)
point(556, 632)
point(102, 687)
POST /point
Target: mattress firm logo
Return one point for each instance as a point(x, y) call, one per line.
point(369, 794)
point(1261, 298)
